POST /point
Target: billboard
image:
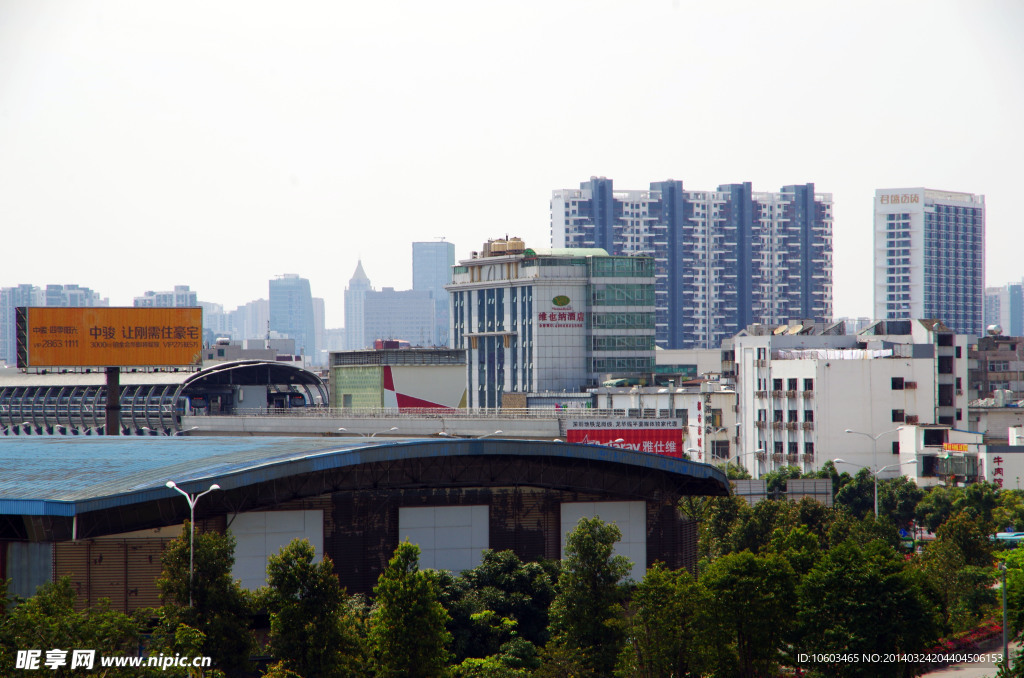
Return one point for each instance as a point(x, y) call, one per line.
point(109, 337)
point(658, 436)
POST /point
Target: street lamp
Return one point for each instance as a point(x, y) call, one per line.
point(712, 431)
point(393, 428)
point(181, 433)
point(875, 473)
point(693, 450)
point(495, 433)
point(191, 499)
point(874, 454)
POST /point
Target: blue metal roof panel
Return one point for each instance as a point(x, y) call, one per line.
point(62, 476)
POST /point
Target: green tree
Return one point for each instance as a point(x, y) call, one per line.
point(858, 494)
point(937, 505)
point(964, 592)
point(310, 633)
point(407, 634)
point(775, 481)
point(898, 499)
point(750, 609)
point(586, 614)
point(861, 599)
point(963, 531)
point(48, 620)
point(221, 609)
point(661, 631)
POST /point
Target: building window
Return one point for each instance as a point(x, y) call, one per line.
point(808, 384)
point(808, 448)
point(895, 447)
point(778, 447)
point(776, 384)
point(793, 449)
point(897, 415)
point(897, 383)
point(792, 416)
point(778, 415)
point(762, 415)
point(808, 415)
point(791, 385)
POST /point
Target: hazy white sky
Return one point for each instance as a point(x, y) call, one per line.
point(218, 144)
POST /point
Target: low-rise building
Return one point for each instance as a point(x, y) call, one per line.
point(802, 387)
point(407, 378)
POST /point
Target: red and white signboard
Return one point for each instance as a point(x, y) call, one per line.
point(657, 436)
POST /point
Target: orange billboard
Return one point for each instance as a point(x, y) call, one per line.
point(109, 337)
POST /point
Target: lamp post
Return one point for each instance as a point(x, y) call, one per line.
point(191, 499)
point(874, 455)
point(875, 473)
point(185, 432)
point(393, 428)
point(493, 433)
point(1006, 647)
point(712, 431)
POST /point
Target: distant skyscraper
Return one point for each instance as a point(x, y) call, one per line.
point(1004, 306)
point(358, 286)
point(930, 257)
point(250, 321)
point(30, 295)
point(431, 270)
point(291, 312)
point(179, 297)
point(320, 330)
point(723, 259)
point(398, 314)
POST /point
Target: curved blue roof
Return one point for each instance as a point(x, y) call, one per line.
point(59, 476)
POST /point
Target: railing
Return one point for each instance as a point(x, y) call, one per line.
point(439, 412)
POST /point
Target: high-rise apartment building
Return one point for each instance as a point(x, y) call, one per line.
point(1004, 306)
point(929, 257)
point(723, 259)
point(180, 296)
point(431, 270)
point(355, 332)
point(30, 295)
point(291, 312)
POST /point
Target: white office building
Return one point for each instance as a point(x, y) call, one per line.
point(550, 320)
point(929, 257)
point(800, 387)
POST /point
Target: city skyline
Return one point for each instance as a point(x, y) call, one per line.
point(178, 148)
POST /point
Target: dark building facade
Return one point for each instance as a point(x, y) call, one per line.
point(724, 259)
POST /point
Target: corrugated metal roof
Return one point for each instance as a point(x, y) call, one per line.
point(95, 378)
point(62, 476)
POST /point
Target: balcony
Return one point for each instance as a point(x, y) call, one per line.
point(807, 394)
point(909, 384)
point(777, 425)
point(776, 394)
point(759, 424)
point(760, 394)
point(791, 425)
point(760, 456)
point(793, 458)
point(790, 394)
point(808, 457)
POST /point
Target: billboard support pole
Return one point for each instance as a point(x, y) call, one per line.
point(113, 421)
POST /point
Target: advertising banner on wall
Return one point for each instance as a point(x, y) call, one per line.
point(657, 436)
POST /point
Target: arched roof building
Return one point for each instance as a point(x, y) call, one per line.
point(67, 501)
point(74, 402)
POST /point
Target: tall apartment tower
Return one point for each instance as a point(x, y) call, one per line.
point(291, 312)
point(929, 257)
point(723, 259)
point(355, 297)
point(1004, 306)
point(180, 296)
point(431, 270)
